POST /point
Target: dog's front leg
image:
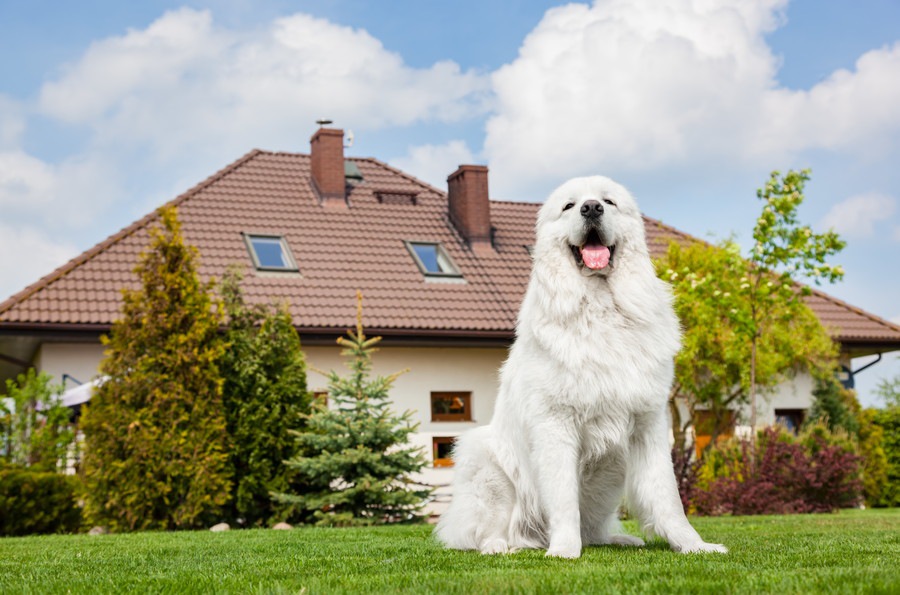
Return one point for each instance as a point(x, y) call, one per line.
point(554, 452)
point(651, 488)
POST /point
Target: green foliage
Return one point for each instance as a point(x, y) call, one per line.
point(779, 473)
point(888, 420)
point(355, 456)
point(784, 251)
point(889, 391)
point(876, 484)
point(155, 442)
point(784, 245)
point(35, 431)
point(34, 501)
point(834, 405)
point(265, 397)
point(712, 372)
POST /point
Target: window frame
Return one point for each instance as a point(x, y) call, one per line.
point(464, 396)
point(796, 415)
point(285, 250)
point(441, 461)
point(441, 253)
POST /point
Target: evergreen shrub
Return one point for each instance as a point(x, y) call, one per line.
point(34, 501)
point(265, 398)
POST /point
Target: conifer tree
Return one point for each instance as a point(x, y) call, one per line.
point(155, 442)
point(354, 456)
point(265, 396)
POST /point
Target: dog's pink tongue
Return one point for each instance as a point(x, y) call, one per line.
point(595, 256)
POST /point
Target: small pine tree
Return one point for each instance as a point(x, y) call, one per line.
point(355, 456)
point(155, 442)
point(265, 397)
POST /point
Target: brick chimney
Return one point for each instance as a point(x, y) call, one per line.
point(327, 148)
point(470, 211)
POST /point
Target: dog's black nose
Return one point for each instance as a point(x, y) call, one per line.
point(591, 209)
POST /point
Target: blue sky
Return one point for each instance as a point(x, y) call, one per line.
point(108, 109)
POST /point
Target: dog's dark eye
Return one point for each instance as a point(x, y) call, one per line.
point(609, 202)
point(568, 206)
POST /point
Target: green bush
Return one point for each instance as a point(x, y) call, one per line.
point(38, 502)
point(265, 398)
point(888, 420)
point(778, 473)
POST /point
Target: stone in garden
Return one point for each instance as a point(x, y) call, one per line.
point(220, 527)
point(98, 531)
point(282, 527)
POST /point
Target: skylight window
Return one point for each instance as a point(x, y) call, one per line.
point(270, 253)
point(432, 259)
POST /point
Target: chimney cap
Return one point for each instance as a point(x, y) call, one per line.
point(324, 121)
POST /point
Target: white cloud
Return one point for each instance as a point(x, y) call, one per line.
point(433, 163)
point(12, 123)
point(855, 110)
point(858, 215)
point(640, 84)
point(184, 84)
point(35, 256)
point(69, 194)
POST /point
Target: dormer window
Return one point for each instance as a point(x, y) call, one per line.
point(432, 259)
point(270, 253)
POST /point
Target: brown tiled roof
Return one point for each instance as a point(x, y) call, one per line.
point(339, 251)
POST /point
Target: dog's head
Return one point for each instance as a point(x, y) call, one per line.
point(593, 221)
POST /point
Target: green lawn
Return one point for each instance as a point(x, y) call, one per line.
point(850, 552)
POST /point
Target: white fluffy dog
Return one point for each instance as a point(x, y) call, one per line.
point(581, 417)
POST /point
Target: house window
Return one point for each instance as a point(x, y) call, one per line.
point(791, 419)
point(451, 406)
point(432, 259)
point(270, 253)
point(442, 448)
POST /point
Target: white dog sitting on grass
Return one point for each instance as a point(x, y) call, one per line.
point(581, 417)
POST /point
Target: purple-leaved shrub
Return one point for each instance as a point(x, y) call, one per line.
point(779, 474)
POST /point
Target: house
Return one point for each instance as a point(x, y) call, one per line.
point(442, 275)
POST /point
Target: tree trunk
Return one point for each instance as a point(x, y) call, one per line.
point(753, 385)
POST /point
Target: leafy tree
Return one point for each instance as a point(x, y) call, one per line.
point(35, 429)
point(265, 397)
point(355, 456)
point(711, 371)
point(784, 251)
point(155, 442)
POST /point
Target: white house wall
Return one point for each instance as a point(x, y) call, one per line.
point(431, 369)
point(79, 360)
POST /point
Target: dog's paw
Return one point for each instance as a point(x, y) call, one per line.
point(495, 546)
point(565, 549)
point(628, 540)
point(703, 547)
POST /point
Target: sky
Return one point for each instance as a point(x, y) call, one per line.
point(109, 109)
